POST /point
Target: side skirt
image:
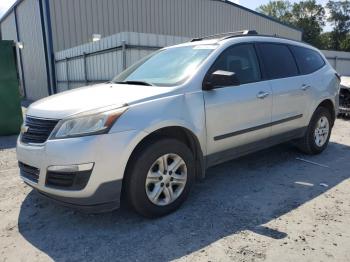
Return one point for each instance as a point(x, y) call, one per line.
point(220, 157)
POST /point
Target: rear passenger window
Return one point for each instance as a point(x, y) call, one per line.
point(240, 59)
point(308, 60)
point(278, 61)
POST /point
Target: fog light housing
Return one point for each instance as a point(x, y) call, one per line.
point(70, 177)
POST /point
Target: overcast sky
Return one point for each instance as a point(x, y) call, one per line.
point(252, 4)
point(4, 5)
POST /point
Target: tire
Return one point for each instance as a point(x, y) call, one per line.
point(142, 177)
point(308, 144)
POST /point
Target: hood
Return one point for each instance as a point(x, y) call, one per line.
point(92, 97)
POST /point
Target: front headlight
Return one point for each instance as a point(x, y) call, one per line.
point(85, 125)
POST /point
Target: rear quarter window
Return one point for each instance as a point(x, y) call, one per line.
point(307, 59)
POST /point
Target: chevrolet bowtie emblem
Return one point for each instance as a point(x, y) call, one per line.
point(24, 129)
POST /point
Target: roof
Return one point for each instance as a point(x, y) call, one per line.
point(266, 38)
point(241, 38)
point(222, 1)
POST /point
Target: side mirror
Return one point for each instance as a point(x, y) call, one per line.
point(220, 79)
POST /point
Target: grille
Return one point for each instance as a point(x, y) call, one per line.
point(29, 172)
point(68, 180)
point(38, 131)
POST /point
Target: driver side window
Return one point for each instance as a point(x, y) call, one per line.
point(242, 60)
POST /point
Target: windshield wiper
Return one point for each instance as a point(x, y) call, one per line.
point(141, 83)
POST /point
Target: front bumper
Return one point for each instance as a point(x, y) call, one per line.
point(109, 154)
point(106, 198)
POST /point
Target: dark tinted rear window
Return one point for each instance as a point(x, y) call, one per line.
point(278, 61)
point(308, 60)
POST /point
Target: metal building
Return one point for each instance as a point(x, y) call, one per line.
point(43, 27)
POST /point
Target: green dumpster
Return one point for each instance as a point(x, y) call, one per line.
point(10, 101)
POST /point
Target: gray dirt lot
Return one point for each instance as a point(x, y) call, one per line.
point(266, 206)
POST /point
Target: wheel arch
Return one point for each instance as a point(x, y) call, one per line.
point(180, 133)
point(329, 104)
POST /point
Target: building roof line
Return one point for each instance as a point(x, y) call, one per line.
point(262, 15)
point(9, 11)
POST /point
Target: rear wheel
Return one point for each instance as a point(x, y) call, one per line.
point(160, 177)
point(318, 132)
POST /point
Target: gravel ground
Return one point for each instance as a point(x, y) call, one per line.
point(266, 206)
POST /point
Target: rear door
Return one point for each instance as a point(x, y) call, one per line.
point(310, 64)
point(237, 115)
point(289, 103)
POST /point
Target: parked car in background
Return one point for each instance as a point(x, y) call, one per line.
point(147, 135)
point(344, 96)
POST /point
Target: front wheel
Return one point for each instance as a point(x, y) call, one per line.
point(160, 177)
point(318, 132)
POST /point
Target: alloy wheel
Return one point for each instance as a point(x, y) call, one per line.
point(321, 131)
point(166, 179)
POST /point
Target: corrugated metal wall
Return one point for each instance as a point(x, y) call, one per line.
point(74, 21)
point(101, 61)
point(339, 60)
point(8, 30)
point(33, 53)
point(33, 56)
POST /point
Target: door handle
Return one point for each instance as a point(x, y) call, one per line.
point(262, 95)
point(305, 87)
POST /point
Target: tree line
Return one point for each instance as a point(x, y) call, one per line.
point(311, 17)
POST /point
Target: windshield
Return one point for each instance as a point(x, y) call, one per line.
point(167, 67)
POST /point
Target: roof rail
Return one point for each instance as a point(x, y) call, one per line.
point(222, 36)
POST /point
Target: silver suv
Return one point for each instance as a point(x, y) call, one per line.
point(147, 135)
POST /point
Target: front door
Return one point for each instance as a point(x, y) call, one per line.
point(237, 115)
